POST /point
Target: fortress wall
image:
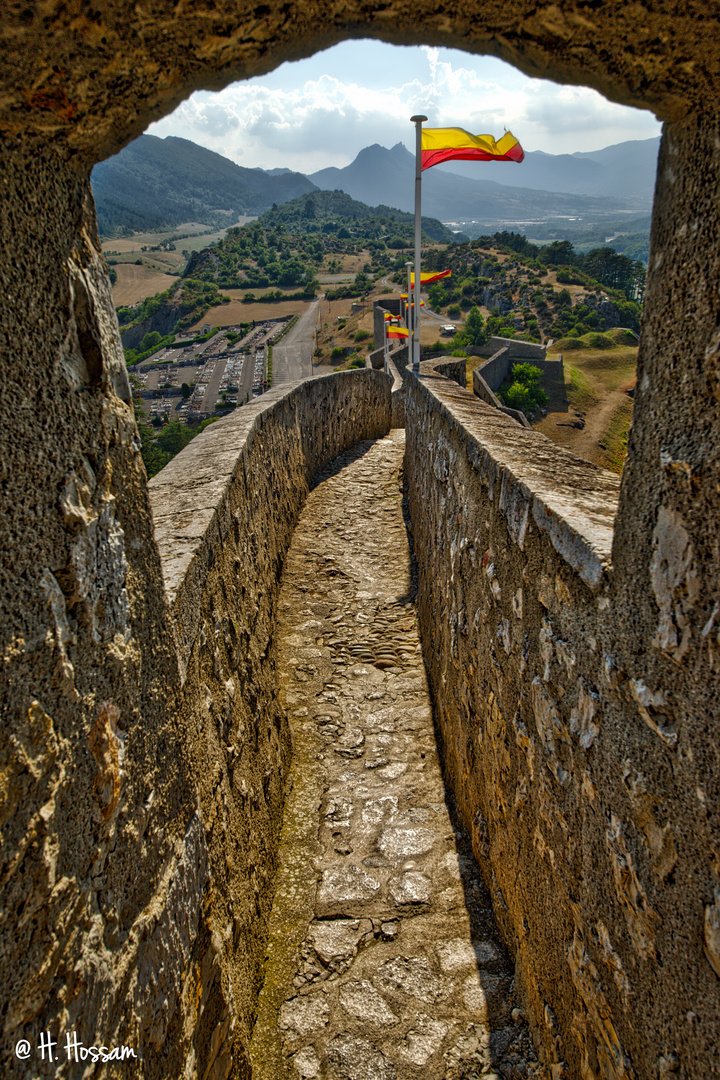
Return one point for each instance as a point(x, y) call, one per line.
point(224, 511)
point(564, 765)
point(518, 350)
point(102, 860)
point(117, 779)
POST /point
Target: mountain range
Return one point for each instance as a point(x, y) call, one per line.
point(543, 186)
point(154, 183)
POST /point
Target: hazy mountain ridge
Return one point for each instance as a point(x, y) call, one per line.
point(625, 170)
point(153, 183)
point(378, 174)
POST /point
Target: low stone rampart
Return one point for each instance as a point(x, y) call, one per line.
point(558, 767)
point(224, 511)
point(519, 350)
point(483, 391)
point(397, 396)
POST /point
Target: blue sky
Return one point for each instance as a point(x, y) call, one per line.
point(323, 110)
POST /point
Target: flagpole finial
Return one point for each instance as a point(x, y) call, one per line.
point(417, 119)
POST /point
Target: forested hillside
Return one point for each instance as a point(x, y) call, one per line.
point(156, 183)
point(287, 246)
point(508, 276)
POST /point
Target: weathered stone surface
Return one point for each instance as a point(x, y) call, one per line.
point(68, 65)
point(361, 1000)
point(392, 971)
point(559, 737)
point(355, 1058)
point(345, 885)
point(411, 887)
point(90, 692)
point(303, 1015)
point(419, 1045)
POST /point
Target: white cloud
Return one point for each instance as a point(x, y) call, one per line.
point(322, 111)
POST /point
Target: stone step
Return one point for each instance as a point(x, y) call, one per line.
point(384, 962)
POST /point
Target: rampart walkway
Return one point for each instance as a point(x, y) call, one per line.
point(384, 963)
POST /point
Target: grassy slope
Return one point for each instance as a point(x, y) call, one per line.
point(594, 392)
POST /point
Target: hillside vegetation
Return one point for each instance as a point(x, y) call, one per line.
point(536, 292)
point(291, 244)
point(156, 183)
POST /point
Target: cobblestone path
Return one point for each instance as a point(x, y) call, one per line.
point(383, 961)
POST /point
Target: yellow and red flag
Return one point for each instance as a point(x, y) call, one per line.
point(429, 277)
point(449, 144)
point(396, 331)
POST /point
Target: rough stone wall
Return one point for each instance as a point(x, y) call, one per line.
point(100, 839)
point(499, 371)
point(392, 304)
point(516, 348)
point(94, 78)
point(127, 915)
point(224, 512)
point(569, 765)
point(102, 855)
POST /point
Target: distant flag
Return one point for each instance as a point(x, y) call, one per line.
point(450, 144)
point(397, 331)
point(403, 296)
point(430, 276)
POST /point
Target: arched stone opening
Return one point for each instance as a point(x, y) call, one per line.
point(88, 645)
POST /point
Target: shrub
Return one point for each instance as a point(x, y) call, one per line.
point(361, 335)
point(525, 392)
point(517, 396)
point(337, 353)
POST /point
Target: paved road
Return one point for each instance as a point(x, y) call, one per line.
point(292, 358)
point(383, 962)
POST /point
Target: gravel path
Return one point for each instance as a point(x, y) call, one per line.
point(383, 962)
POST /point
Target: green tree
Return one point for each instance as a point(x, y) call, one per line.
point(150, 340)
point(525, 392)
point(474, 331)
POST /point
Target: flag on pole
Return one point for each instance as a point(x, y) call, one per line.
point(430, 276)
point(449, 144)
point(396, 331)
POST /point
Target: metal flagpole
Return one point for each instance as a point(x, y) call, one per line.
point(387, 349)
point(415, 312)
point(408, 312)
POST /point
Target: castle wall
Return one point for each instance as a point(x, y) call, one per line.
point(141, 752)
point(224, 511)
point(585, 783)
point(117, 778)
point(102, 862)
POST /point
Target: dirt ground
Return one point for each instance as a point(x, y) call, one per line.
point(591, 412)
point(238, 312)
point(135, 283)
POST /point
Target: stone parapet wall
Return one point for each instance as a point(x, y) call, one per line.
point(560, 763)
point(224, 511)
point(397, 396)
point(483, 391)
point(392, 304)
point(519, 350)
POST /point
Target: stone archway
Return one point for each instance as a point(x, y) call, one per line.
point(88, 871)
